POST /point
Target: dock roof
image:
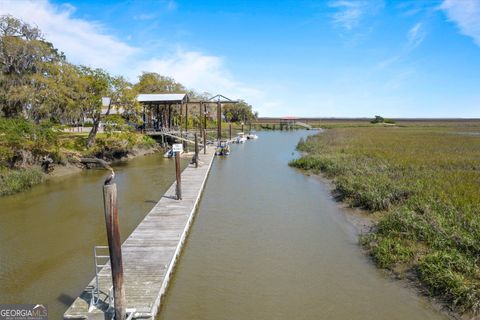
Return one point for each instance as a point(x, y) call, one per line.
point(162, 97)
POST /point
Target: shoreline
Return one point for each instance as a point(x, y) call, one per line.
point(61, 171)
point(363, 222)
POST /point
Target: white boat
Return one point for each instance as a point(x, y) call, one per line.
point(240, 138)
point(168, 154)
point(252, 136)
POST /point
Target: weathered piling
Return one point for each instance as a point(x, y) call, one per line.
point(204, 141)
point(114, 247)
point(219, 121)
point(178, 175)
point(196, 151)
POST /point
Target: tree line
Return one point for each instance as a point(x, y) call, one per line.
point(38, 83)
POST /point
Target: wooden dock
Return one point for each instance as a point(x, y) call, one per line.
point(151, 251)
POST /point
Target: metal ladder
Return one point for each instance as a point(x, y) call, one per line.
point(100, 261)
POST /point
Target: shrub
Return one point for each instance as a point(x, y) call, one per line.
point(21, 137)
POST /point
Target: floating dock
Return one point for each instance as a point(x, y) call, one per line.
point(151, 251)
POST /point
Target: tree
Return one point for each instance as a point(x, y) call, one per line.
point(124, 98)
point(151, 82)
point(239, 112)
point(24, 53)
point(57, 94)
point(94, 84)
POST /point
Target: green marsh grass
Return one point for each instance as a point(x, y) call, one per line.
point(424, 183)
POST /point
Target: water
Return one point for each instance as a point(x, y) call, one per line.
point(47, 234)
point(270, 243)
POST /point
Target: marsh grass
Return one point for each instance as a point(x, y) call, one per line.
point(13, 181)
point(424, 180)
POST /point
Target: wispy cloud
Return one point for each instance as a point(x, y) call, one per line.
point(145, 16)
point(416, 35)
point(349, 13)
point(171, 5)
point(200, 71)
point(466, 14)
point(86, 42)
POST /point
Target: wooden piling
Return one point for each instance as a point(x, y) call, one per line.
point(186, 117)
point(196, 151)
point(219, 121)
point(205, 118)
point(204, 141)
point(178, 174)
point(230, 130)
point(114, 248)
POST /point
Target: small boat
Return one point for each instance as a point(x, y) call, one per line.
point(223, 149)
point(168, 154)
point(240, 138)
point(252, 136)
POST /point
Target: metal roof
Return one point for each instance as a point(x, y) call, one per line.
point(162, 97)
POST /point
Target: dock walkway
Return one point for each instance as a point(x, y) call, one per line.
point(151, 251)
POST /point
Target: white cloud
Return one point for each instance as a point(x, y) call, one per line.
point(84, 42)
point(466, 14)
point(416, 35)
point(350, 13)
point(145, 16)
point(202, 72)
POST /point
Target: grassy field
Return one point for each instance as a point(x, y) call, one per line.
point(422, 180)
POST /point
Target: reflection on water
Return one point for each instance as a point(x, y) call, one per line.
point(47, 234)
point(270, 243)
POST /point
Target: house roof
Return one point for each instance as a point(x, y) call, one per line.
point(162, 97)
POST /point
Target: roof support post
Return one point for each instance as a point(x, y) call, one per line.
point(219, 120)
point(181, 118)
point(186, 117)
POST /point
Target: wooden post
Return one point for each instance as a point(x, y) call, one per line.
point(200, 118)
point(181, 118)
point(169, 116)
point(230, 129)
point(186, 117)
point(204, 141)
point(205, 118)
point(219, 121)
point(196, 151)
point(242, 126)
point(114, 248)
point(178, 175)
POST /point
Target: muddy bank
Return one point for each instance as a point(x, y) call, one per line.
point(39, 170)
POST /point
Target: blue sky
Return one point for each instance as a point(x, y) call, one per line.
point(335, 58)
